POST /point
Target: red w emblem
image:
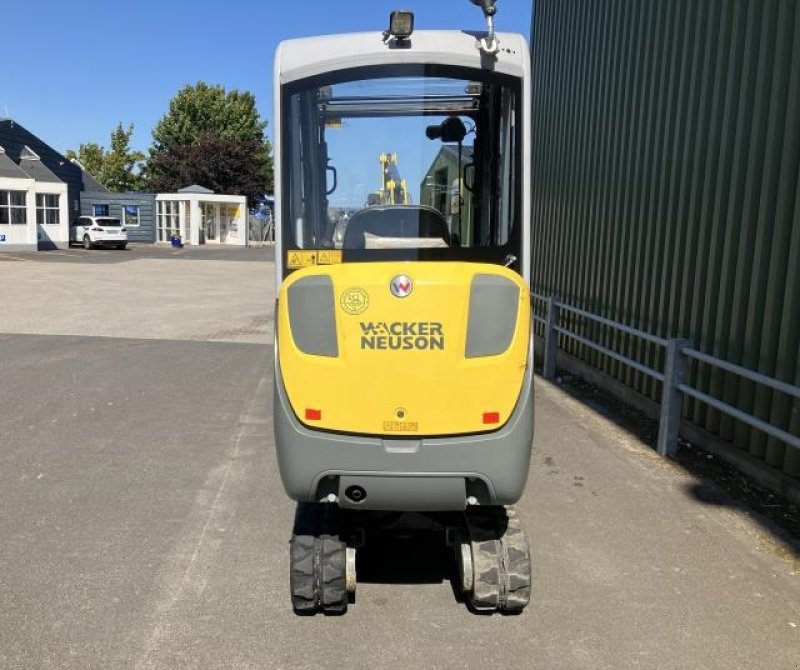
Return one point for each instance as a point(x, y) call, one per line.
point(401, 286)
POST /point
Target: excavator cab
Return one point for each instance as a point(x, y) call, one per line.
point(403, 358)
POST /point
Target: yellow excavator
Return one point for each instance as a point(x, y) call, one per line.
point(394, 190)
point(403, 356)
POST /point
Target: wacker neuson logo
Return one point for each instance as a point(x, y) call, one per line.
point(402, 335)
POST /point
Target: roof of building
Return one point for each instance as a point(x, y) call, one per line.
point(196, 188)
point(9, 168)
point(15, 139)
point(89, 182)
point(33, 166)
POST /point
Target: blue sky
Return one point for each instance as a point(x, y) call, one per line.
point(72, 70)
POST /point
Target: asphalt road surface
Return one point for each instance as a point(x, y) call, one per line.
point(143, 523)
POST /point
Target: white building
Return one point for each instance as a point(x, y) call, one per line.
point(33, 204)
point(41, 192)
point(200, 216)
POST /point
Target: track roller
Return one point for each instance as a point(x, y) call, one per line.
point(322, 568)
point(494, 560)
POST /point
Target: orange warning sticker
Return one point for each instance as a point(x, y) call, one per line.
point(329, 256)
point(301, 259)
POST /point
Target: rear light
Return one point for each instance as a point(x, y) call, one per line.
point(491, 417)
point(313, 414)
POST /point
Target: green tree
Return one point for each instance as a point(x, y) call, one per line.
point(123, 166)
point(92, 156)
point(118, 168)
point(212, 137)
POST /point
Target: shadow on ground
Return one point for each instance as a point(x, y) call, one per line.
point(715, 482)
point(418, 558)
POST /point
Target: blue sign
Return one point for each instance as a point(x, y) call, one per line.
point(2, 238)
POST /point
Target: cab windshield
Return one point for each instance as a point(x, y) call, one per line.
point(412, 163)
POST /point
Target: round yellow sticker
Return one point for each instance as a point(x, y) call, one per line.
point(354, 300)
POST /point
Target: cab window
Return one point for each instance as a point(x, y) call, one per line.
point(404, 162)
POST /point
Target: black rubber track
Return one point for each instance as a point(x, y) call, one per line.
point(515, 593)
point(317, 561)
point(501, 561)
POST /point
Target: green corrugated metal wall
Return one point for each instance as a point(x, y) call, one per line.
point(666, 188)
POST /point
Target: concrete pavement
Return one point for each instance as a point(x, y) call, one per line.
point(143, 522)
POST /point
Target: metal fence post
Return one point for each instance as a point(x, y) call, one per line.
point(672, 398)
point(550, 338)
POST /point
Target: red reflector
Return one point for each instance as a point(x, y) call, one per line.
point(491, 417)
point(313, 414)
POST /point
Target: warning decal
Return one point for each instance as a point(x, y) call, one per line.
point(329, 256)
point(301, 259)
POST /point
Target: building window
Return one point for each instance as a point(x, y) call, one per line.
point(100, 210)
point(47, 208)
point(168, 219)
point(130, 216)
point(13, 208)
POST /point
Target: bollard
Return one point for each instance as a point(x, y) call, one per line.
point(550, 339)
point(671, 398)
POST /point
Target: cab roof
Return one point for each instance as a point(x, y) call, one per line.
point(310, 56)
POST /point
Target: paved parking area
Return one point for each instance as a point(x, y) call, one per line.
point(136, 251)
point(143, 523)
point(202, 294)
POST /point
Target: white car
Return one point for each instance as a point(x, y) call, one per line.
point(99, 231)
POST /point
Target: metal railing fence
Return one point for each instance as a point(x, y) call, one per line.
point(674, 378)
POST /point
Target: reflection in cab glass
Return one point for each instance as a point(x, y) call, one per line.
point(404, 162)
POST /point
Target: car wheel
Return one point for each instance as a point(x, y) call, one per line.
point(87, 242)
point(121, 246)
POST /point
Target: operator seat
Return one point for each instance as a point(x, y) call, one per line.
point(395, 221)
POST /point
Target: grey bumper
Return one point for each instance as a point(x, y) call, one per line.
point(428, 474)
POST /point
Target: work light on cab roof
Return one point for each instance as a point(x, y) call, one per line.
point(401, 25)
